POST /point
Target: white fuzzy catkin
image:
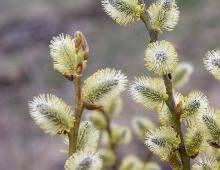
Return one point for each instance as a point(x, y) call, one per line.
point(161, 57)
point(103, 86)
point(83, 161)
point(51, 114)
point(210, 126)
point(124, 12)
point(163, 112)
point(87, 140)
point(194, 103)
point(206, 163)
point(163, 15)
point(212, 63)
point(88, 137)
point(148, 92)
point(162, 141)
point(66, 58)
point(194, 140)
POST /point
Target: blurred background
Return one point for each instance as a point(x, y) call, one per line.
point(26, 28)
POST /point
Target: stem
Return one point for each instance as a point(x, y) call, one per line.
point(152, 33)
point(73, 134)
point(109, 131)
point(174, 109)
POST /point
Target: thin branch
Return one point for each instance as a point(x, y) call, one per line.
point(73, 134)
point(174, 109)
point(152, 33)
point(109, 131)
point(90, 106)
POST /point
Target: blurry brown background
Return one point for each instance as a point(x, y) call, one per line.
point(27, 26)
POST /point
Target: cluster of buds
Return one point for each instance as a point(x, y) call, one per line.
point(113, 135)
point(101, 92)
point(174, 109)
point(55, 117)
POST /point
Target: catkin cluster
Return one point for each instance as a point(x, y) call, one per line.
point(100, 94)
point(101, 90)
point(174, 110)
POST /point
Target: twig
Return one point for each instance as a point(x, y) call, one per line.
point(174, 109)
point(108, 129)
point(73, 134)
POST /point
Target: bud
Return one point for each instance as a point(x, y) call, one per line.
point(194, 141)
point(113, 107)
point(108, 157)
point(164, 114)
point(98, 120)
point(182, 74)
point(120, 135)
point(174, 161)
point(81, 44)
point(131, 162)
point(152, 166)
point(141, 125)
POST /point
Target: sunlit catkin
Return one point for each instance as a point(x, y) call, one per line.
point(206, 163)
point(148, 92)
point(161, 57)
point(193, 105)
point(123, 12)
point(194, 140)
point(83, 161)
point(69, 54)
point(212, 63)
point(103, 86)
point(162, 141)
point(51, 114)
point(163, 15)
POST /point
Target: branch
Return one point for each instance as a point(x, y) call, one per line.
point(174, 109)
point(109, 131)
point(90, 106)
point(73, 134)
